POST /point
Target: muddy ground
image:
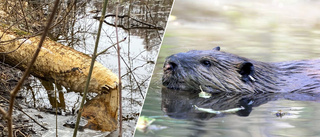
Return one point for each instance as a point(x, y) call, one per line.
point(9, 77)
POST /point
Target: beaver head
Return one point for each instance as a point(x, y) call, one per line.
point(216, 71)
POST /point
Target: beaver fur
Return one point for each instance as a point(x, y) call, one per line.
point(216, 71)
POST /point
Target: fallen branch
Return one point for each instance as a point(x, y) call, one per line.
point(58, 63)
point(35, 121)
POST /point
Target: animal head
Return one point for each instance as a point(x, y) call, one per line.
point(213, 70)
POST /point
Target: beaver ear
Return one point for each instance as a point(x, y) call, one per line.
point(246, 70)
point(216, 48)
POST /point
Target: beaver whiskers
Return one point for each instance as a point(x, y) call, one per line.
point(216, 71)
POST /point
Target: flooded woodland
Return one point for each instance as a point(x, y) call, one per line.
point(54, 105)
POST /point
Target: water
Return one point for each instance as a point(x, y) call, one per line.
point(269, 31)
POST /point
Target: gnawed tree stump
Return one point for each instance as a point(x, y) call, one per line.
point(98, 113)
point(69, 68)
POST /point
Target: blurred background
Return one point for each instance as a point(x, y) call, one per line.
point(264, 30)
point(142, 23)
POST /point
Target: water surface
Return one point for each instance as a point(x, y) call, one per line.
point(269, 31)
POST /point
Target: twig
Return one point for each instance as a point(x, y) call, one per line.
point(8, 29)
point(153, 21)
point(139, 21)
point(24, 16)
point(40, 31)
point(56, 104)
point(14, 49)
point(135, 79)
point(4, 113)
point(148, 25)
point(20, 109)
point(20, 133)
point(138, 54)
point(133, 27)
point(119, 70)
point(90, 70)
point(32, 119)
point(129, 60)
point(111, 46)
point(145, 80)
point(129, 69)
point(134, 69)
point(14, 92)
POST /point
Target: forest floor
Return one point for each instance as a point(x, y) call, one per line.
point(9, 78)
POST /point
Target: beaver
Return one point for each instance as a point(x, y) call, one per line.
point(215, 71)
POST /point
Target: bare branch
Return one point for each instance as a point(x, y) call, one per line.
point(26, 73)
point(20, 109)
point(147, 25)
point(14, 49)
point(90, 70)
point(24, 16)
point(111, 46)
point(4, 113)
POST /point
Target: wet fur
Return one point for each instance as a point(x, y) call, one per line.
point(216, 71)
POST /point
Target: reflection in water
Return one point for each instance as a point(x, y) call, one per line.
point(124, 20)
point(197, 128)
point(269, 31)
point(55, 102)
point(180, 105)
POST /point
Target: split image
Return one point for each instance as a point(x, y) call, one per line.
point(159, 68)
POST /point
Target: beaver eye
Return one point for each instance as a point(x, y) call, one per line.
point(206, 63)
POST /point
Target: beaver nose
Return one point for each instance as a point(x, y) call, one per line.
point(169, 66)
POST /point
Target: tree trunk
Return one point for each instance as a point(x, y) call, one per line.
point(69, 68)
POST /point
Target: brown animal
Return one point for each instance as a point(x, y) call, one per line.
point(216, 71)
